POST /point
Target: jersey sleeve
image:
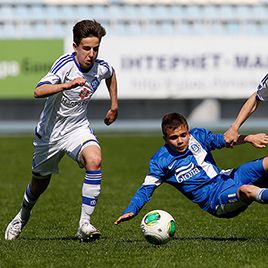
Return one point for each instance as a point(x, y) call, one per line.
point(50, 78)
point(143, 195)
point(58, 71)
point(105, 69)
point(209, 139)
point(262, 89)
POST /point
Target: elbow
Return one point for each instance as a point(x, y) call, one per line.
point(37, 94)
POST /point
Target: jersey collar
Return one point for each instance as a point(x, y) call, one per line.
point(79, 67)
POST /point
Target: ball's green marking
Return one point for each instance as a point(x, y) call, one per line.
point(152, 218)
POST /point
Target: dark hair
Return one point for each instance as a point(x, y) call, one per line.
point(87, 28)
point(173, 121)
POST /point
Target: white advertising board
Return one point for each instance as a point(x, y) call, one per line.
point(184, 66)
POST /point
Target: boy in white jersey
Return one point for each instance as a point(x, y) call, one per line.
point(185, 162)
point(64, 128)
point(249, 107)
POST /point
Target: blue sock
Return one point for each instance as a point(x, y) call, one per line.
point(262, 196)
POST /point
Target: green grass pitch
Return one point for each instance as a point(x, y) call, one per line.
point(48, 240)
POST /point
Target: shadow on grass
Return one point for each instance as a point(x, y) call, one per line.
point(230, 239)
point(219, 239)
point(67, 238)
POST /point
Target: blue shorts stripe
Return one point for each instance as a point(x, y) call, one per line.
point(91, 140)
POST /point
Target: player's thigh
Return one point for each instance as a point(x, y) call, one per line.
point(250, 172)
point(228, 203)
point(76, 145)
point(46, 158)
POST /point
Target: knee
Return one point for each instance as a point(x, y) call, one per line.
point(247, 193)
point(91, 158)
point(93, 162)
point(265, 163)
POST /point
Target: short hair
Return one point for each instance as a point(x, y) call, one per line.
point(87, 28)
point(173, 121)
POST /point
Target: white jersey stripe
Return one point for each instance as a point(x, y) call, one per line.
point(150, 180)
point(200, 156)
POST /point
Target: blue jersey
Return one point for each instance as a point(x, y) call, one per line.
point(195, 174)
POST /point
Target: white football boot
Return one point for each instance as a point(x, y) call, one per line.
point(14, 228)
point(87, 233)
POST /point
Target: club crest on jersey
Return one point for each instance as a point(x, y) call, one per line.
point(195, 147)
point(95, 83)
point(84, 93)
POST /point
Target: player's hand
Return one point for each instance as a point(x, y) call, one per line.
point(79, 81)
point(110, 117)
point(231, 136)
point(259, 140)
point(124, 217)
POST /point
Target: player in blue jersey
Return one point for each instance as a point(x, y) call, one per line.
point(186, 162)
point(64, 128)
point(249, 107)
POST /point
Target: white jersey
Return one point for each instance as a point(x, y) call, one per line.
point(262, 90)
point(66, 111)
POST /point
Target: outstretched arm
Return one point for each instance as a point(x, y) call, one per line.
point(259, 140)
point(112, 113)
point(125, 217)
point(142, 196)
point(46, 90)
point(231, 135)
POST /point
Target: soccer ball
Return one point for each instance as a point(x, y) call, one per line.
point(158, 227)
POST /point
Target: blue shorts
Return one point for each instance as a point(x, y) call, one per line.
point(225, 203)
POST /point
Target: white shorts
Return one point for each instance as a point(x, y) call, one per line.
point(47, 155)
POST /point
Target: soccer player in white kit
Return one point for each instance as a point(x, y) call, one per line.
point(64, 128)
point(249, 107)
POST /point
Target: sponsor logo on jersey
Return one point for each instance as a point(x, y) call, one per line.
point(84, 93)
point(68, 103)
point(186, 172)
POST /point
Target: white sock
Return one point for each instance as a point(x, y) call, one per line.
point(90, 193)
